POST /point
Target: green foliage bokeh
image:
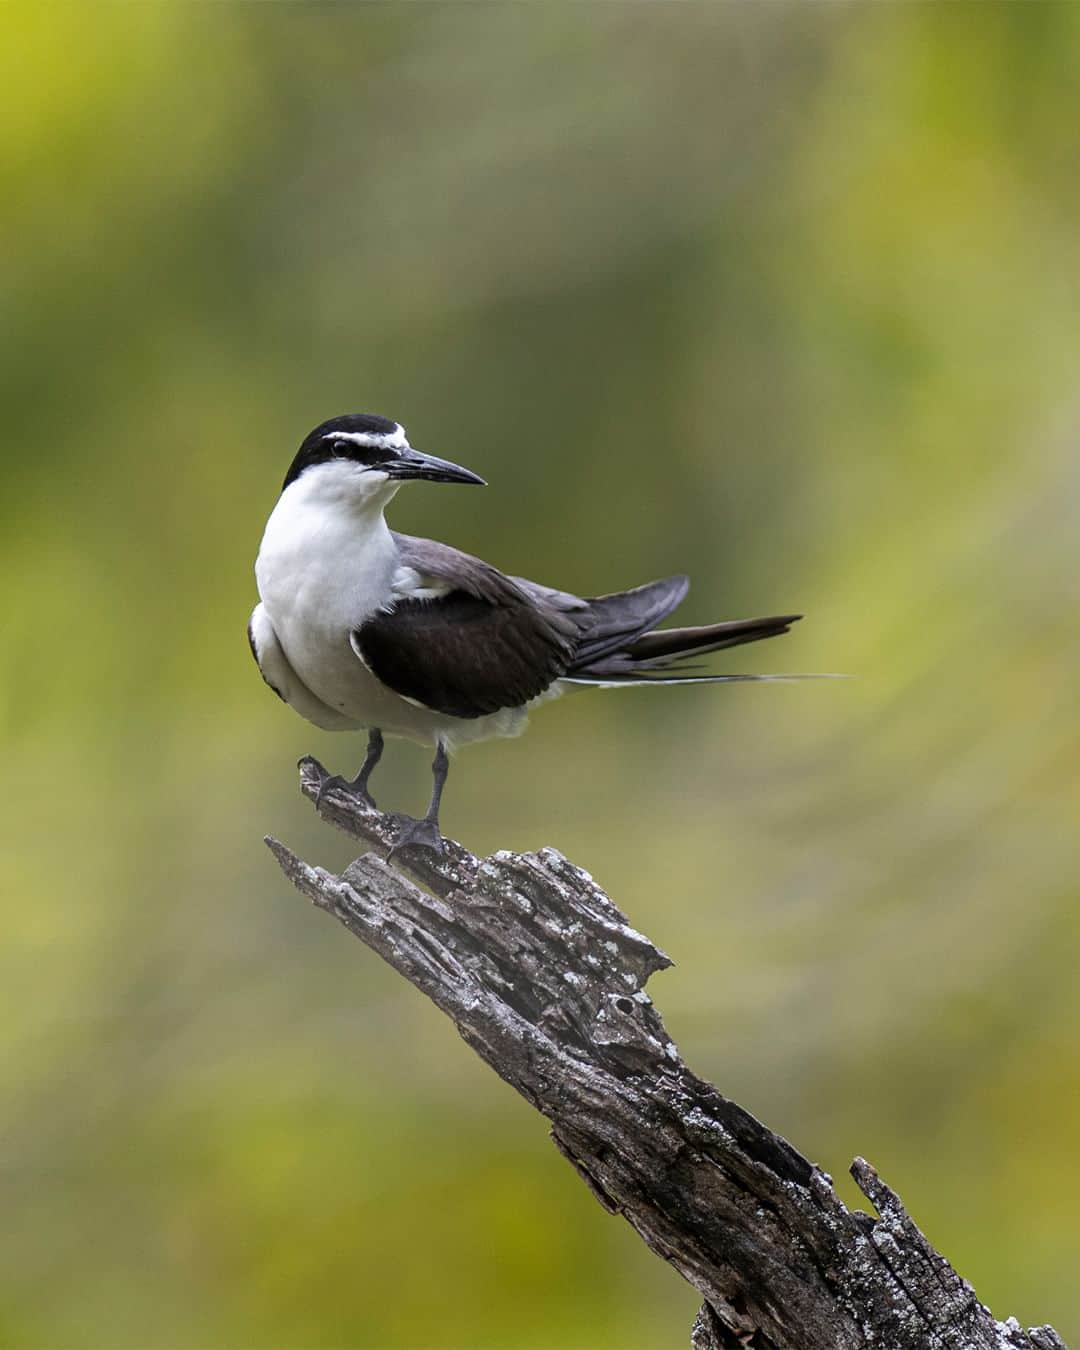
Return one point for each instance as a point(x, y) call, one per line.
point(783, 296)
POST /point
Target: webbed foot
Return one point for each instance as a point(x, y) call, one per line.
point(413, 833)
point(354, 788)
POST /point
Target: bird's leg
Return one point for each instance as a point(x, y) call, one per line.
point(374, 754)
point(425, 832)
point(359, 785)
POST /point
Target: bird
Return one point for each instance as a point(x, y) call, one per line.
point(359, 627)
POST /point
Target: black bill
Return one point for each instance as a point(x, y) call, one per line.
point(412, 463)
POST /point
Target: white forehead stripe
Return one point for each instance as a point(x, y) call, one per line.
point(372, 440)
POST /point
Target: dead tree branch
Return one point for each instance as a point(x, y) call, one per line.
point(545, 979)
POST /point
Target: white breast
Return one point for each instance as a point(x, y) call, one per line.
point(326, 563)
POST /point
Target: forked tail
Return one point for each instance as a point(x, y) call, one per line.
point(626, 651)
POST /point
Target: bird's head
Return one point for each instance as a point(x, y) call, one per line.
point(364, 457)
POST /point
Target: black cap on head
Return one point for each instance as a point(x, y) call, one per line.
point(365, 438)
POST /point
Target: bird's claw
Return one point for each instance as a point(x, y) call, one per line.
point(332, 780)
point(335, 780)
point(413, 833)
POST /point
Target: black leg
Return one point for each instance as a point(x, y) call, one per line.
point(425, 832)
point(439, 769)
point(359, 785)
point(374, 754)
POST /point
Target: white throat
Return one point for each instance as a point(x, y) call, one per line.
point(340, 485)
point(327, 555)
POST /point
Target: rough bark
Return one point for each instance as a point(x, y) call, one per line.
point(545, 979)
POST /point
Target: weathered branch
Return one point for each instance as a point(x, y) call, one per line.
point(545, 979)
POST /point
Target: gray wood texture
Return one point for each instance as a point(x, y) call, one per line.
point(545, 979)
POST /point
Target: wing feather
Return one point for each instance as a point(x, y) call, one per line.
point(486, 644)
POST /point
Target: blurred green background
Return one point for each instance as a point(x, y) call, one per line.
point(784, 296)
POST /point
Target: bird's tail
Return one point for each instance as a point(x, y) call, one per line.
point(664, 656)
point(637, 681)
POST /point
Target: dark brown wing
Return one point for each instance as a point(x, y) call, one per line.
point(484, 645)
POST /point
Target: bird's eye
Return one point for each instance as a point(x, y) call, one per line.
point(364, 456)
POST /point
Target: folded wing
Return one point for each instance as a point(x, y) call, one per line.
point(473, 640)
point(484, 644)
